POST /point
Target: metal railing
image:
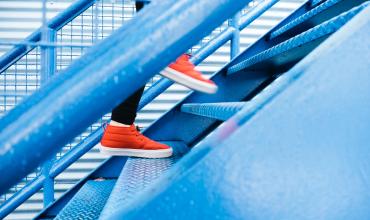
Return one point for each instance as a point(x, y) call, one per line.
point(31, 47)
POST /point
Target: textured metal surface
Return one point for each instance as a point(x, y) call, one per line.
point(137, 175)
point(296, 42)
point(220, 111)
point(59, 103)
point(89, 201)
point(302, 155)
point(314, 12)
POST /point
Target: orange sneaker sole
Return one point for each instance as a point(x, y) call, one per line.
point(135, 152)
point(188, 81)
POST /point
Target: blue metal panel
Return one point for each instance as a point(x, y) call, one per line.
point(89, 201)
point(221, 111)
point(137, 175)
point(302, 155)
point(59, 104)
point(289, 51)
point(317, 15)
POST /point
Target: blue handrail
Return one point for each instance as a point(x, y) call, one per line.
point(148, 96)
point(59, 104)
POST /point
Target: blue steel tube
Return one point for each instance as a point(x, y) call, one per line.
point(253, 14)
point(68, 105)
point(48, 66)
point(235, 40)
point(22, 195)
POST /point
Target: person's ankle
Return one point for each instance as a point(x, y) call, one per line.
point(118, 124)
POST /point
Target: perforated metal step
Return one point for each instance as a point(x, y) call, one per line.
point(221, 111)
point(89, 201)
point(325, 11)
point(137, 174)
point(284, 55)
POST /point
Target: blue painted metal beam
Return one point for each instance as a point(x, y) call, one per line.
point(291, 51)
point(56, 23)
point(302, 155)
point(220, 111)
point(63, 108)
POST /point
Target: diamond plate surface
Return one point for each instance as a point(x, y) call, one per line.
point(220, 111)
point(137, 174)
point(317, 32)
point(304, 17)
point(88, 202)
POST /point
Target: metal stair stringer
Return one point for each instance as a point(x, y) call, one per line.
point(315, 113)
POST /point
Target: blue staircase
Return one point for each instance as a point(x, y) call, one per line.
point(285, 136)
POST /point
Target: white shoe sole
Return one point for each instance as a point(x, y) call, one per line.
point(135, 152)
point(188, 81)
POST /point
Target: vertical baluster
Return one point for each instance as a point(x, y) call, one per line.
point(235, 40)
point(48, 66)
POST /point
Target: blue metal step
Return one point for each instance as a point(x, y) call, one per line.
point(284, 55)
point(302, 154)
point(316, 16)
point(89, 201)
point(221, 111)
point(137, 174)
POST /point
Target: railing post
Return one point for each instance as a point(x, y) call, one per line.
point(48, 66)
point(235, 40)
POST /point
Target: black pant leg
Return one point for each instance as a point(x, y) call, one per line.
point(125, 112)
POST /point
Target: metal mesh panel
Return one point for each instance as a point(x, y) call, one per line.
point(19, 80)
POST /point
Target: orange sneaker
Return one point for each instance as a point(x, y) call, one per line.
point(128, 141)
point(183, 72)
